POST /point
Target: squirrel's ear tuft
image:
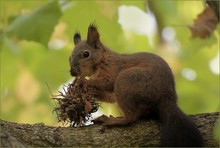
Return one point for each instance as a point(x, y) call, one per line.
point(76, 38)
point(93, 35)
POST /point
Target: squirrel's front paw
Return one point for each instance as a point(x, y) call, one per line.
point(81, 82)
point(101, 119)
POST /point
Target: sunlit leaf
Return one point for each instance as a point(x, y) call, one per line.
point(38, 25)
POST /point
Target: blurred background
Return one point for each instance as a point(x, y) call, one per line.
point(36, 42)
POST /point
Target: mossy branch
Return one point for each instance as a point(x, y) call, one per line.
point(141, 134)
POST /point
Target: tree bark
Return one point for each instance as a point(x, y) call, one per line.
point(143, 133)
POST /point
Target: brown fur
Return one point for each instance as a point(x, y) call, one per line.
point(142, 84)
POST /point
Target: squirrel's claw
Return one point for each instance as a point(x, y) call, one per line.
point(100, 120)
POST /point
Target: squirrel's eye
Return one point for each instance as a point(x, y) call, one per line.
point(86, 54)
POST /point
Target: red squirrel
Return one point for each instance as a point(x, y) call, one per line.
point(142, 84)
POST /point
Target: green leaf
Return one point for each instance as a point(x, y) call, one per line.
point(38, 25)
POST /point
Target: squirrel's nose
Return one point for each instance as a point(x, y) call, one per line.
point(73, 72)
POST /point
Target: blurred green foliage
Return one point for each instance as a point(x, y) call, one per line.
point(36, 41)
point(38, 25)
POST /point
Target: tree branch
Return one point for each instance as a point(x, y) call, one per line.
point(141, 133)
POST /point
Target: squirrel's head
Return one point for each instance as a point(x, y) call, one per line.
point(86, 54)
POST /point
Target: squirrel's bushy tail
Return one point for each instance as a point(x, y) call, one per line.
point(177, 128)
